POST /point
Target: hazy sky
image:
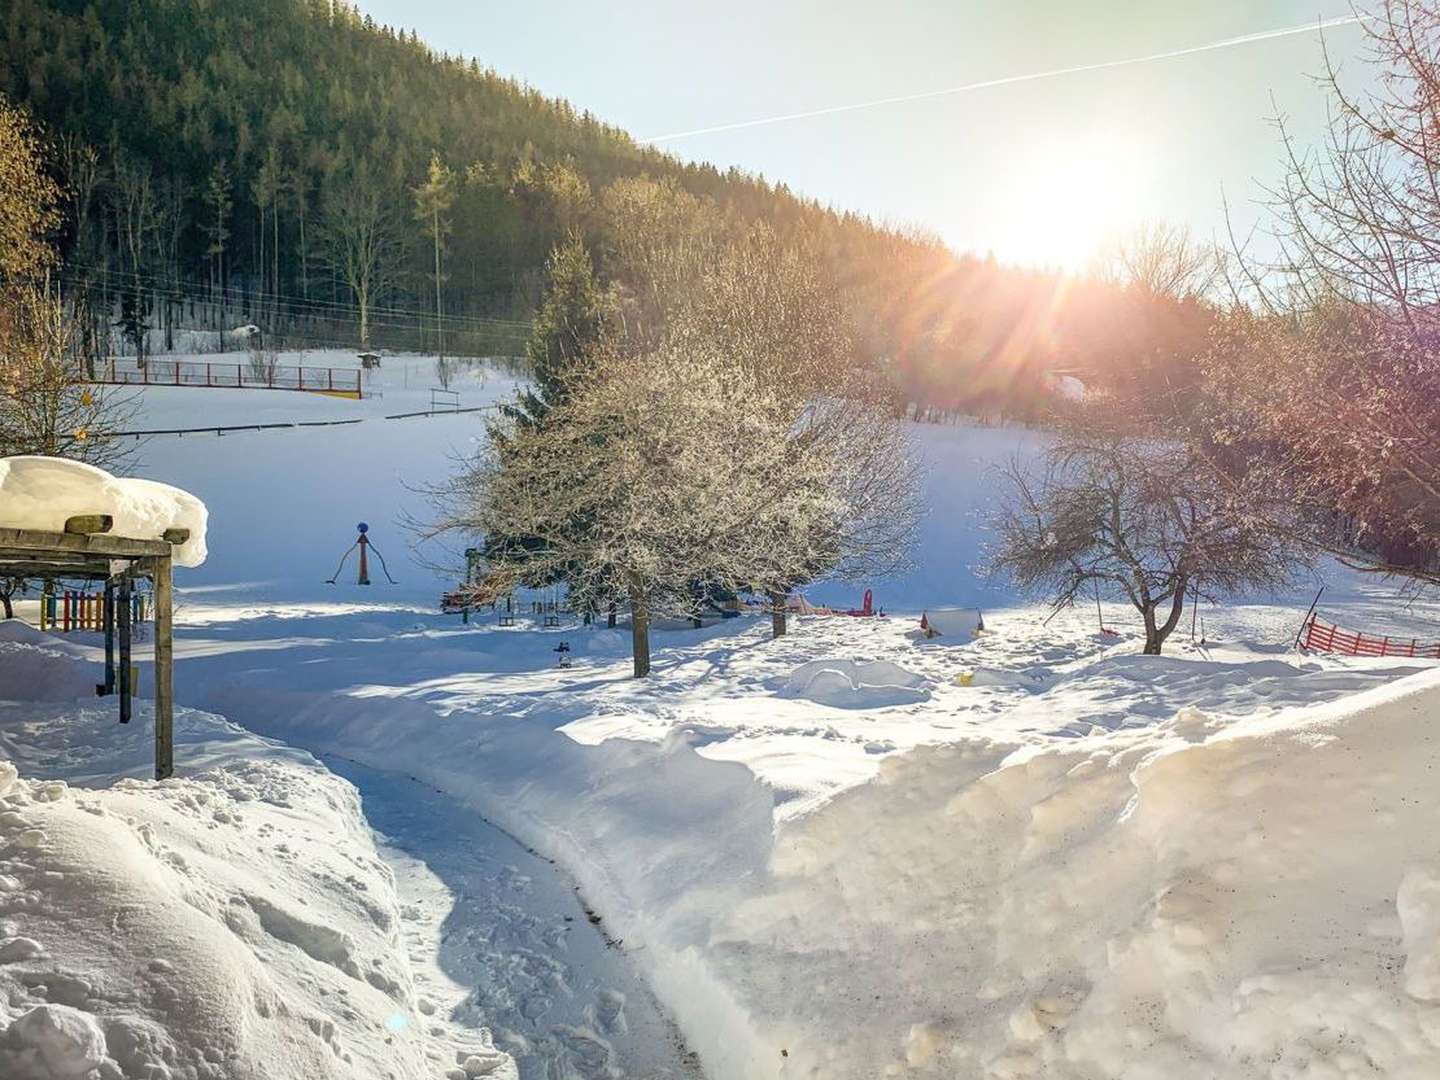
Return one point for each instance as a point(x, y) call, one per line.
point(1036, 172)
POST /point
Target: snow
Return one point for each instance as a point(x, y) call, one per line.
point(234, 922)
point(851, 684)
point(43, 493)
point(848, 852)
point(956, 624)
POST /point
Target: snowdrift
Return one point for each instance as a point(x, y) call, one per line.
point(236, 924)
point(1205, 900)
point(855, 684)
point(40, 667)
point(42, 493)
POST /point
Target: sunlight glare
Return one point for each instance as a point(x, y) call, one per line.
point(1068, 197)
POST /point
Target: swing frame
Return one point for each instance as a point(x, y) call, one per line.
point(86, 551)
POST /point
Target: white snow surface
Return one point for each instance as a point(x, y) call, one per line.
point(43, 492)
point(851, 852)
point(234, 923)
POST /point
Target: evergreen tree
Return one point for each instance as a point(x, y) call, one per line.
point(433, 200)
point(572, 319)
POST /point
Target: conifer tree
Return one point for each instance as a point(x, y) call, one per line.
point(433, 200)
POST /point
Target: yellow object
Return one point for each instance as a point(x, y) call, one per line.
point(965, 678)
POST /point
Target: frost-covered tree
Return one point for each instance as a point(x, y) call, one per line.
point(1329, 369)
point(683, 469)
point(1142, 521)
point(46, 404)
point(28, 200)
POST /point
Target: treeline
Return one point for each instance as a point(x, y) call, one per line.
point(293, 164)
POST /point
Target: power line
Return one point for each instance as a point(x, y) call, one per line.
point(1009, 80)
point(80, 273)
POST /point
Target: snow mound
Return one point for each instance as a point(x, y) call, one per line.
point(855, 684)
point(1185, 902)
point(236, 924)
point(38, 670)
point(42, 492)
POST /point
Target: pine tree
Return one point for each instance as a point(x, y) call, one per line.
point(433, 200)
point(217, 223)
point(572, 319)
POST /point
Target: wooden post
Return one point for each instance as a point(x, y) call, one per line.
point(1313, 604)
point(126, 689)
point(108, 686)
point(160, 574)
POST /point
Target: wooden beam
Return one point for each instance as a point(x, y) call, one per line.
point(33, 568)
point(85, 524)
point(175, 537)
point(101, 544)
point(164, 668)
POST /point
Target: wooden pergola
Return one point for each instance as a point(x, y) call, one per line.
point(87, 551)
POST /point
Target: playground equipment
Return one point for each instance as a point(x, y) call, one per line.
point(72, 610)
point(461, 600)
point(366, 546)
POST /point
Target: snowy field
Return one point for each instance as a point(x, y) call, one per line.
point(848, 853)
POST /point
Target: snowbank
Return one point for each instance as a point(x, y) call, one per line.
point(855, 684)
point(236, 924)
point(41, 667)
point(43, 492)
point(1202, 901)
point(1080, 876)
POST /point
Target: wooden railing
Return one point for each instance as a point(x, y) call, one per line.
point(242, 374)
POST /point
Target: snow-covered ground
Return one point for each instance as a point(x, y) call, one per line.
point(851, 852)
point(233, 922)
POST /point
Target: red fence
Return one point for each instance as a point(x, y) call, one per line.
point(1324, 637)
point(236, 374)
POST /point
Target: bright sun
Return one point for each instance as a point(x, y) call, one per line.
point(1067, 197)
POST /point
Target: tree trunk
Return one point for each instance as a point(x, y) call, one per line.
point(439, 330)
point(1155, 635)
point(9, 608)
point(610, 619)
point(639, 630)
point(777, 615)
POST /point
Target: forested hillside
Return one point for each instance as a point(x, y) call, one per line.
point(292, 164)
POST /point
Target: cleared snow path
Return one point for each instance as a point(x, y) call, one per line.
point(503, 940)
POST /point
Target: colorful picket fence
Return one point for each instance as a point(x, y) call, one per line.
point(71, 610)
point(1326, 637)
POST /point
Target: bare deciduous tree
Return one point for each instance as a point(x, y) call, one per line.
point(361, 237)
point(10, 587)
point(28, 200)
point(1160, 259)
point(47, 404)
point(1329, 368)
point(1144, 521)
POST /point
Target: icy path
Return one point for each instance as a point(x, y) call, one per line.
point(517, 952)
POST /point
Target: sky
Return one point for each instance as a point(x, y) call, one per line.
point(1039, 173)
